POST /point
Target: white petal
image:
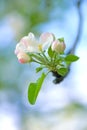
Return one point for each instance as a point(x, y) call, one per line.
point(32, 49)
point(25, 41)
point(31, 36)
point(27, 44)
point(46, 37)
point(17, 48)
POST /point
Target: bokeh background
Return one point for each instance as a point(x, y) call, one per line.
point(59, 106)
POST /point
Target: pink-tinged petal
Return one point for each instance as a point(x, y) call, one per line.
point(46, 37)
point(22, 61)
point(27, 44)
point(23, 57)
point(25, 41)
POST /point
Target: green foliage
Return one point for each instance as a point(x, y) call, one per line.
point(34, 89)
point(54, 62)
point(62, 71)
point(71, 58)
point(50, 52)
point(39, 69)
point(61, 39)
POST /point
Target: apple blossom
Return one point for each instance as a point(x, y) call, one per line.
point(48, 52)
point(31, 44)
point(27, 44)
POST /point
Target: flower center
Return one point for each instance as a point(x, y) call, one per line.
point(40, 47)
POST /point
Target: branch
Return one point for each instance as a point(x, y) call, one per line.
point(59, 78)
point(80, 26)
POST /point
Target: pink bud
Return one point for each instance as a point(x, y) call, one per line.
point(58, 46)
point(23, 57)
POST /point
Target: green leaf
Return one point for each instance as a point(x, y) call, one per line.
point(71, 58)
point(34, 88)
point(61, 39)
point(62, 71)
point(39, 69)
point(50, 52)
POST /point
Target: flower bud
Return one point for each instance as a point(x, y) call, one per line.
point(23, 57)
point(58, 46)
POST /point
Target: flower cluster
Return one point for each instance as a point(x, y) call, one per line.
point(29, 44)
point(48, 52)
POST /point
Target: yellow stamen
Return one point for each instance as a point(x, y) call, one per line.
point(40, 47)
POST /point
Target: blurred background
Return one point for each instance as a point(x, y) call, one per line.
point(59, 106)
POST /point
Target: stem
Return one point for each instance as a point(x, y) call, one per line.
point(38, 57)
point(46, 59)
point(54, 57)
point(48, 72)
point(33, 60)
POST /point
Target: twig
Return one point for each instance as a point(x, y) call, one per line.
point(80, 26)
point(78, 3)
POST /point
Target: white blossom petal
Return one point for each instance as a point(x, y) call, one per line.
point(31, 36)
point(46, 39)
point(31, 44)
point(25, 41)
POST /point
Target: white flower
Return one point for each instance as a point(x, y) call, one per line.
point(58, 46)
point(31, 44)
point(27, 44)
